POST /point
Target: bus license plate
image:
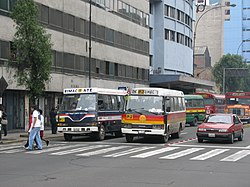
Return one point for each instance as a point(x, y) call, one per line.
point(211, 135)
point(76, 129)
point(141, 132)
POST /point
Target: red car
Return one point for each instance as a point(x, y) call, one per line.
point(220, 127)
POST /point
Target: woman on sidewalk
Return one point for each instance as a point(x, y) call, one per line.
point(42, 127)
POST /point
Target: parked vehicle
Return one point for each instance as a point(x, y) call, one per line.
point(220, 127)
point(154, 112)
point(195, 109)
point(91, 111)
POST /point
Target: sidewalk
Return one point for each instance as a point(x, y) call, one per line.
point(13, 137)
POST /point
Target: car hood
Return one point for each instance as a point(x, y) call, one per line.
point(215, 125)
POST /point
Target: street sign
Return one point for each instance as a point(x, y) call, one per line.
point(237, 72)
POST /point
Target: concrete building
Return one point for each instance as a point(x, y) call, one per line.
point(237, 29)
point(171, 45)
point(120, 49)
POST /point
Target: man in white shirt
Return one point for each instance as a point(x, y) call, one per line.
point(34, 131)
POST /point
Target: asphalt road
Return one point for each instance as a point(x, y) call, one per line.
point(115, 163)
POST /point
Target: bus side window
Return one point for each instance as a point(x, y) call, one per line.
point(167, 105)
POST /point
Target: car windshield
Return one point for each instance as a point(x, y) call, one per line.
point(74, 102)
point(145, 103)
point(219, 119)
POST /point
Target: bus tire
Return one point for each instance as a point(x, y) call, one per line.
point(200, 140)
point(100, 135)
point(195, 121)
point(164, 138)
point(129, 138)
point(177, 135)
point(67, 137)
point(118, 134)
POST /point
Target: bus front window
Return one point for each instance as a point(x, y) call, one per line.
point(145, 103)
point(86, 102)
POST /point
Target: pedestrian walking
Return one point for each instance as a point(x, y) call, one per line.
point(52, 116)
point(42, 128)
point(34, 131)
point(3, 120)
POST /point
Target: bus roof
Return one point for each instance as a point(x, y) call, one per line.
point(156, 91)
point(193, 97)
point(211, 95)
point(94, 90)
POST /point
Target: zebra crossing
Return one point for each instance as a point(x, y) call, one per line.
point(132, 151)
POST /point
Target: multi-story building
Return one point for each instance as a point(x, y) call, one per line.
point(171, 45)
point(237, 29)
point(119, 52)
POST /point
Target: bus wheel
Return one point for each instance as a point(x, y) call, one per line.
point(129, 138)
point(164, 138)
point(195, 121)
point(118, 134)
point(200, 140)
point(67, 137)
point(100, 135)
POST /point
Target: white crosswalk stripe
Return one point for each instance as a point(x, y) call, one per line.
point(209, 154)
point(237, 156)
point(53, 149)
point(152, 153)
point(181, 153)
point(127, 152)
point(79, 149)
point(102, 151)
point(109, 150)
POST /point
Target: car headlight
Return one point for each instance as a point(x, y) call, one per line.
point(202, 129)
point(222, 130)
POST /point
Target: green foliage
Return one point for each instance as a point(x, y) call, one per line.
point(231, 83)
point(32, 47)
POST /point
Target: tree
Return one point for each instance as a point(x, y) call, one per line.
point(32, 49)
point(231, 83)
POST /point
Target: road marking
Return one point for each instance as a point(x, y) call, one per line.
point(79, 149)
point(210, 146)
point(155, 152)
point(209, 154)
point(102, 151)
point(181, 153)
point(236, 156)
point(127, 152)
point(52, 149)
point(11, 147)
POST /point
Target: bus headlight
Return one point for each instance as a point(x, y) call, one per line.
point(158, 127)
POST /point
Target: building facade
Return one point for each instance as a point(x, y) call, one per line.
point(237, 30)
point(119, 49)
point(171, 45)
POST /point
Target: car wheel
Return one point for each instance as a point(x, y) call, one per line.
point(200, 140)
point(240, 138)
point(231, 138)
point(67, 137)
point(100, 135)
point(129, 138)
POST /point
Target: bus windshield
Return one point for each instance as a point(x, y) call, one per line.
point(235, 101)
point(194, 103)
point(148, 103)
point(209, 101)
point(86, 102)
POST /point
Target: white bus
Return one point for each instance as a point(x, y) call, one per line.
point(91, 111)
point(154, 112)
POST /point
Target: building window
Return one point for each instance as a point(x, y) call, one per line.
point(172, 35)
point(227, 12)
point(4, 49)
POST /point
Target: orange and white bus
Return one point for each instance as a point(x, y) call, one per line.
point(214, 103)
point(239, 103)
point(154, 112)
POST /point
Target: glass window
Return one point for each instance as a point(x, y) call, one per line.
point(4, 49)
point(44, 14)
point(4, 5)
point(56, 17)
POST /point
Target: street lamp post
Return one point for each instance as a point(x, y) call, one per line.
point(90, 44)
point(196, 24)
point(241, 45)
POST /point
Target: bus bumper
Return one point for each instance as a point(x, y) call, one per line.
point(77, 130)
point(142, 132)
